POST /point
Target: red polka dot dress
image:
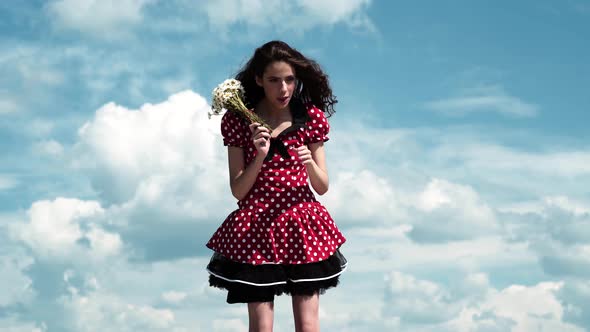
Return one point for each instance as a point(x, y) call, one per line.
point(279, 221)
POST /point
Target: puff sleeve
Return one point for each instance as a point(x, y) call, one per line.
point(234, 130)
point(317, 126)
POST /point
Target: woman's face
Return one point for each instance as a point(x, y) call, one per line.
point(278, 82)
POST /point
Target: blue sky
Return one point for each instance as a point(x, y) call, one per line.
point(459, 161)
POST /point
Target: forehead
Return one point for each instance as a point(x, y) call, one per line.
point(279, 69)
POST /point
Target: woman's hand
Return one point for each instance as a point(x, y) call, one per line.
point(261, 138)
point(304, 155)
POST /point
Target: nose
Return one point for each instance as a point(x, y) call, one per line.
point(283, 85)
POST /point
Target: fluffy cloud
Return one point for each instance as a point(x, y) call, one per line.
point(17, 288)
point(424, 305)
point(49, 148)
point(7, 105)
point(95, 310)
point(97, 17)
point(517, 308)
point(229, 325)
point(417, 301)
point(507, 163)
point(110, 20)
point(483, 99)
point(451, 212)
point(575, 297)
point(286, 16)
point(162, 152)
point(161, 171)
point(375, 200)
point(557, 229)
point(7, 182)
point(443, 211)
point(11, 324)
point(67, 229)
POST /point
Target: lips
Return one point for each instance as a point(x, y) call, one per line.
point(282, 100)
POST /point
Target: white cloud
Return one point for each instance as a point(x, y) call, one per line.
point(295, 16)
point(575, 296)
point(40, 127)
point(443, 211)
point(8, 105)
point(417, 301)
point(332, 11)
point(451, 212)
point(51, 148)
point(174, 297)
point(7, 182)
point(424, 305)
point(487, 157)
point(57, 230)
point(483, 99)
point(106, 18)
point(39, 70)
point(516, 308)
point(103, 243)
point(16, 286)
point(577, 208)
point(375, 200)
point(11, 323)
point(557, 229)
point(168, 152)
point(102, 311)
point(230, 325)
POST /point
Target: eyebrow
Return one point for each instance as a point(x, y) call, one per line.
point(288, 76)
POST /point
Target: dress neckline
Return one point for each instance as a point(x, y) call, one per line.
point(299, 117)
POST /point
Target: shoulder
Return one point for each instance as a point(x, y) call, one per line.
point(317, 124)
point(233, 122)
point(315, 116)
point(312, 110)
point(234, 130)
point(231, 118)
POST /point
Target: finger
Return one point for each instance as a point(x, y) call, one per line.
point(261, 130)
point(262, 135)
point(261, 139)
point(304, 152)
point(253, 126)
point(306, 161)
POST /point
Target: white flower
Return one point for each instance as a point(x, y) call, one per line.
point(224, 95)
point(229, 96)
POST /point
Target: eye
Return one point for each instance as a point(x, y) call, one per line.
point(290, 79)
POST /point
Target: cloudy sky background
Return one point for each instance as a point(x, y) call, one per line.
point(459, 161)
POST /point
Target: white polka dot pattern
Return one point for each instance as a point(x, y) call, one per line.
point(279, 220)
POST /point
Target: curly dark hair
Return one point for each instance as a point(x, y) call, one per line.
point(313, 85)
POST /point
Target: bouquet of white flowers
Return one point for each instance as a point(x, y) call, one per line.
point(229, 95)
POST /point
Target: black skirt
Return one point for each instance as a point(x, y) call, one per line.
point(247, 283)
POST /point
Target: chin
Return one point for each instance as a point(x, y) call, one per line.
point(279, 106)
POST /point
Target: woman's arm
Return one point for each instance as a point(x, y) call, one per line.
point(241, 177)
point(314, 159)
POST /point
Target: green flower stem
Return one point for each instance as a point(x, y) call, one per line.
point(238, 107)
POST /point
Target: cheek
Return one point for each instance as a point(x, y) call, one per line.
point(268, 89)
point(292, 87)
